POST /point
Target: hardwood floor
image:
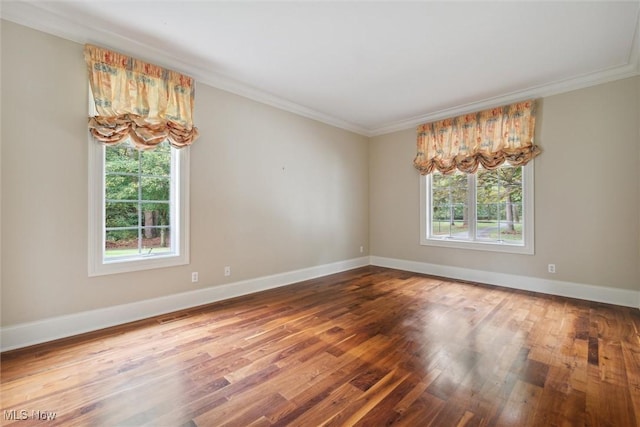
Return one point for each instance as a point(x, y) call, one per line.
point(371, 346)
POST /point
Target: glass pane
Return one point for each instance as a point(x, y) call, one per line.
point(157, 161)
point(155, 222)
point(459, 195)
point(458, 180)
point(154, 214)
point(486, 177)
point(156, 188)
point(487, 186)
point(487, 221)
point(118, 187)
point(513, 193)
point(509, 174)
point(486, 211)
point(440, 197)
point(439, 180)
point(440, 224)
point(458, 188)
point(121, 243)
point(156, 240)
point(449, 203)
point(121, 214)
point(499, 204)
point(487, 193)
point(121, 158)
point(460, 223)
point(511, 229)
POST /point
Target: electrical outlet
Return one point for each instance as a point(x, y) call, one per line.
point(227, 271)
point(361, 249)
point(194, 277)
point(552, 268)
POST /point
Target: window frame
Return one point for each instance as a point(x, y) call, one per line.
point(526, 248)
point(179, 213)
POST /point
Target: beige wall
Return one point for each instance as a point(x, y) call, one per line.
point(587, 203)
point(273, 192)
point(270, 191)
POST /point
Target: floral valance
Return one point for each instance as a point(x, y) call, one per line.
point(139, 101)
point(487, 138)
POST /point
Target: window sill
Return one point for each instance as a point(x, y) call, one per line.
point(139, 264)
point(479, 246)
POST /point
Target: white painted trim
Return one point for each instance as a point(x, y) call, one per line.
point(180, 214)
point(554, 88)
point(479, 245)
point(37, 15)
point(26, 334)
point(623, 297)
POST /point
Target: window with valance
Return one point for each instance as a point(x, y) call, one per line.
point(139, 101)
point(477, 179)
point(487, 138)
point(141, 123)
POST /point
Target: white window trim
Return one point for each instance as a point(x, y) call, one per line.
point(180, 236)
point(527, 221)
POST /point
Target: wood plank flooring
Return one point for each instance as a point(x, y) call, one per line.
point(368, 347)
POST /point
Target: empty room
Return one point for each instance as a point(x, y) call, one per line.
point(320, 213)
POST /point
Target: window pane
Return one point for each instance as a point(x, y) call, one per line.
point(513, 193)
point(155, 222)
point(487, 218)
point(121, 243)
point(157, 161)
point(156, 240)
point(487, 193)
point(154, 214)
point(441, 197)
point(121, 214)
point(449, 206)
point(134, 227)
point(441, 223)
point(121, 187)
point(512, 226)
point(156, 188)
point(499, 204)
point(487, 209)
point(458, 180)
point(121, 158)
point(460, 223)
point(439, 180)
point(492, 203)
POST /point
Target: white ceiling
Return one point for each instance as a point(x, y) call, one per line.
point(370, 67)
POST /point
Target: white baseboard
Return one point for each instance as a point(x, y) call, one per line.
point(26, 334)
point(623, 297)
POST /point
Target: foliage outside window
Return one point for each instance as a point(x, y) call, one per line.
point(489, 210)
point(138, 216)
point(140, 114)
point(137, 201)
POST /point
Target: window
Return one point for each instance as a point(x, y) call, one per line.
point(138, 197)
point(489, 210)
point(139, 210)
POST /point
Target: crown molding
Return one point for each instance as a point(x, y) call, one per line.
point(630, 69)
point(258, 95)
point(39, 16)
point(555, 88)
